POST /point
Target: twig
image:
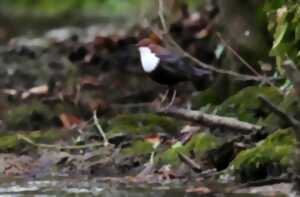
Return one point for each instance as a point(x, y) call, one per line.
point(195, 60)
point(243, 77)
point(190, 162)
point(235, 53)
point(161, 12)
point(131, 105)
point(241, 59)
point(268, 181)
point(210, 120)
point(55, 146)
point(291, 121)
point(96, 122)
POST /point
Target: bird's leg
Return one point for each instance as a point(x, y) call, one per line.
point(164, 96)
point(172, 99)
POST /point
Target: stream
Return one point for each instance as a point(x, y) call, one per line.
point(81, 186)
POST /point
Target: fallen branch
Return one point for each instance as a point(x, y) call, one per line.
point(210, 120)
point(56, 146)
point(265, 182)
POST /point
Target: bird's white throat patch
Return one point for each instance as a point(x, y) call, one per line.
point(149, 60)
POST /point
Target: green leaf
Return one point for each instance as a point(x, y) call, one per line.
point(296, 18)
point(279, 34)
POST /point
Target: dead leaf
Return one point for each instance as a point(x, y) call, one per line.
point(89, 80)
point(167, 173)
point(154, 140)
point(203, 190)
point(69, 120)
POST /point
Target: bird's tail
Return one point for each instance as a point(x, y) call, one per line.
point(201, 78)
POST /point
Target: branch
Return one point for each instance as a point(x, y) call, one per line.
point(291, 121)
point(161, 13)
point(265, 182)
point(210, 120)
point(190, 162)
point(97, 124)
point(243, 61)
point(199, 63)
point(235, 53)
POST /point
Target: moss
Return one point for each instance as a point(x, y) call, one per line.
point(277, 148)
point(45, 136)
point(11, 142)
point(199, 144)
point(202, 142)
point(8, 142)
point(142, 123)
point(32, 116)
point(208, 96)
point(245, 104)
point(170, 156)
point(138, 148)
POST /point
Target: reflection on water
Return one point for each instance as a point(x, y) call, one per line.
point(91, 187)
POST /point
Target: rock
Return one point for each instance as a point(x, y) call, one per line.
point(269, 157)
point(246, 106)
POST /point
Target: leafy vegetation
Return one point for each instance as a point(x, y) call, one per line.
point(284, 24)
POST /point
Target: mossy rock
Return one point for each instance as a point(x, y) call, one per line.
point(199, 144)
point(142, 124)
point(258, 162)
point(11, 142)
point(33, 116)
point(246, 106)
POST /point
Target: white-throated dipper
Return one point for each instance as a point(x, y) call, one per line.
point(167, 68)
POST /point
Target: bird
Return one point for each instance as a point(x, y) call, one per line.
point(167, 68)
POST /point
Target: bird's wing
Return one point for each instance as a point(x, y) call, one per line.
point(171, 62)
point(176, 64)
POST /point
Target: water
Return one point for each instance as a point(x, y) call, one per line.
point(81, 187)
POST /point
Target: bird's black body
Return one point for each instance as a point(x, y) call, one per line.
point(167, 68)
point(166, 75)
point(172, 70)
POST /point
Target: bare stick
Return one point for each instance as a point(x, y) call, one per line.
point(241, 59)
point(96, 122)
point(210, 120)
point(281, 114)
point(55, 146)
point(235, 53)
point(161, 12)
point(195, 60)
point(290, 120)
point(190, 162)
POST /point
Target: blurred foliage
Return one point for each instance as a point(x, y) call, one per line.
point(89, 7)
point(284, 24)
point(54, 7)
